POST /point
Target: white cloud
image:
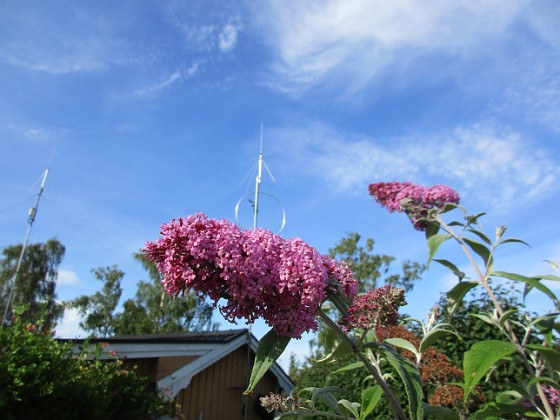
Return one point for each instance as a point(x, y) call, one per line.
point(486, 162)
point(361, 39)
point(69, 327)
point(67, 278)
point(176, 77)
point(228, 38)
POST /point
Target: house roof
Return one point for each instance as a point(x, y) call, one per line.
point(224, 336)
point(208, 346)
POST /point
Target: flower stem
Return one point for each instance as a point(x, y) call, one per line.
point(393, 402)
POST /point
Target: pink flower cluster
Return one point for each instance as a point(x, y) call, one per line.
point(377, 307)
point(420, 199)
point(260, 274)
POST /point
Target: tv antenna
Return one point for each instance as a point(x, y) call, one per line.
point(255, 203)
point(257, 193)
point(32, 214)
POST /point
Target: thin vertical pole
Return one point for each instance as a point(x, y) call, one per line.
point(258, 183)
point(32, 214)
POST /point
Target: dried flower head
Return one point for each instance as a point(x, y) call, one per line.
point(377, 307)
point(279, 402)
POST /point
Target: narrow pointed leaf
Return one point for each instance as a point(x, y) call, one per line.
point(543, 380)
point(482, 356)
point(547, 277)
point(452, 206)
point(402, 343)
point(435, 335)
point(270, 347)
point(514, 240)
point(456, 295)
point(473, 220)
point(432, 229)
point(326, 394)
point(506, 316)
point(529, 281)
point(370, 398)
point(481, 250)
point(341, 349)
point(434, 243)
point(349, 407)
point(460, 275)
point(351, 366)
point(410, 377)
point(481, 235)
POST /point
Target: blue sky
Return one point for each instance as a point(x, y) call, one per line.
point(145, 111)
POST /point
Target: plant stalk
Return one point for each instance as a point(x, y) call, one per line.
point(393, 402)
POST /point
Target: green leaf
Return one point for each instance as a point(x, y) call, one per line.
point(506, 316)
point(435, 335)
point(480, 358)
point(402, 343)
point(352, 408)
point(370, 399)
point(460, 275)
point(529, 281)
point(473, 220)
point(440, 412)
point(481, 250)
point(497, 411)
point(270, 347)
point(451, 206)
point(551, 355)
point(480, 235)
point(485, 317)
point(409, 375)
point(456, 295)
point(514, 240)
point(434, 243)
point(544, 380)
point(341, 349)
point(431, 229)
point(325, 394)
point(547, 277)
point(351, 366)
point(508, 397)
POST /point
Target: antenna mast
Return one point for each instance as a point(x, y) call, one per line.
point(258, 183)
point(32, 214)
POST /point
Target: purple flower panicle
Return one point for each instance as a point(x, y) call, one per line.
point(377, 307)
point(420, 199)
point(258, 273)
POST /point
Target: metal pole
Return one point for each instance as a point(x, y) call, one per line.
point(258, 184)
point(32, 214)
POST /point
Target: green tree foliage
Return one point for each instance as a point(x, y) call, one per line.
point(370, 268)
point(99, 308)
point(41, 378)
point(152, 310)
point(35, 285)
point(473, 329)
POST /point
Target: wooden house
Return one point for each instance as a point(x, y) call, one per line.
point(205, 372)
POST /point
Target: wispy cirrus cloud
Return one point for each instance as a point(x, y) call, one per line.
point(177, 76)
point(205, 26)
point(360, 41)
point(486, 161)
